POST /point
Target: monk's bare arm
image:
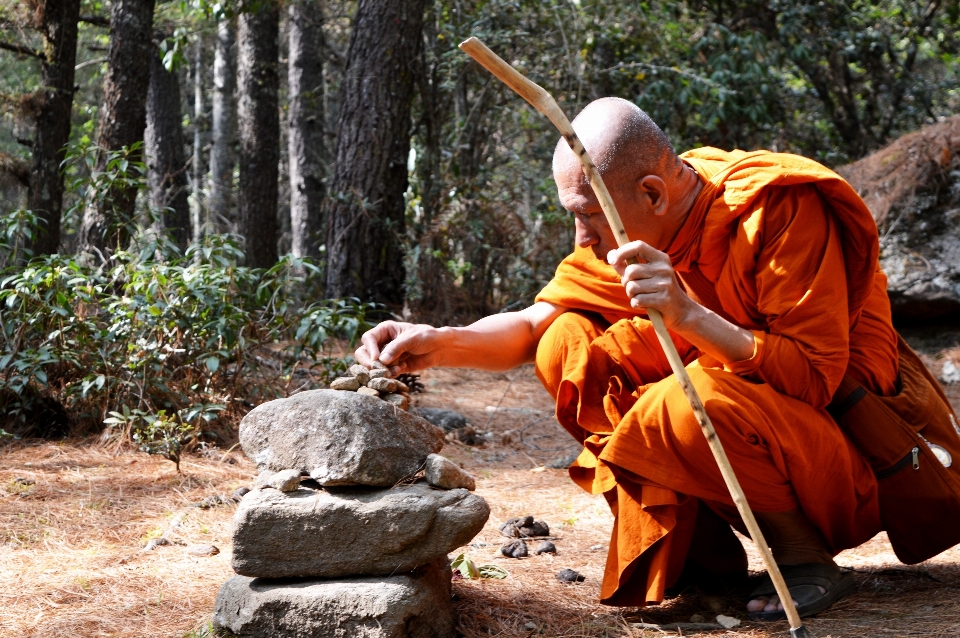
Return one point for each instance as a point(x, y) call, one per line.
point(653, 284)
point(497, 342)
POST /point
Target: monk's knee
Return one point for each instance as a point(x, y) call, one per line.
point(717, 390)
point(564, 344)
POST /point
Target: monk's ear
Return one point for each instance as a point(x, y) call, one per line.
point(654, 189)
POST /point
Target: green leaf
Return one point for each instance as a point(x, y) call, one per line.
point(213, 364)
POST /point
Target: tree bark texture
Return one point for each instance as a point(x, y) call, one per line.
point(199, 222)
point(259, 122)
point(224, 127)
point(365, 210)
point(306, 119)
point(163, 146)
point(58, 27)
point(123, 116)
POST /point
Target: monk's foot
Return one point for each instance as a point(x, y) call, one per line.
point(772, 603)
point(813, 587)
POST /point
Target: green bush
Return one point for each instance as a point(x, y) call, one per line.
point(171, 339)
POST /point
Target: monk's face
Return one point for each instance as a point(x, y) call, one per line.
point(640, 204)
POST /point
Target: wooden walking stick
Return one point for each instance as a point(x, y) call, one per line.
point(544, 102)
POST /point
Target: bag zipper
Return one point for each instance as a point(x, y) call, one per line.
point(912, 456)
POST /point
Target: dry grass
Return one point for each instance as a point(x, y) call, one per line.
point(73, 564)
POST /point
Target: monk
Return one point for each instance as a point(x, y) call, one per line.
point(764, 267)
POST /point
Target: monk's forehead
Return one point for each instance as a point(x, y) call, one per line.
point(602, 146)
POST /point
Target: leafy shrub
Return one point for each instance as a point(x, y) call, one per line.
point(171, 340)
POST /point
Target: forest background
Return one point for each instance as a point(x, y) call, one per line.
point(199, 197)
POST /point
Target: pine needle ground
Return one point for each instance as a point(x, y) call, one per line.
point(74, 563)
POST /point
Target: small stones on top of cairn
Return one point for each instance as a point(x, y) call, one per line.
point(374, 382)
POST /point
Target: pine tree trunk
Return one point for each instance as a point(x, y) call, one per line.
point(163, 146)
point(123, 117)
point(224, 128)
point(199, 223)
point(365, 213)
point(306, 117)
point(58, 27)
point(259, 123)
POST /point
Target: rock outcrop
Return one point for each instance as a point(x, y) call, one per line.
point(912, 188)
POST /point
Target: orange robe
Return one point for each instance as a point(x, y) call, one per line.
point(778, 245)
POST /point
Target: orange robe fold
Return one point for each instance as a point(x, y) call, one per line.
point(778, 245)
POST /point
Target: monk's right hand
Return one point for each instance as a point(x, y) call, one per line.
point(403, 347)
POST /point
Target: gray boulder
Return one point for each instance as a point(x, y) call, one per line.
point(912, 187)
point(414, 605)
point(351, 531)
point(446, 419)
point(339, 438)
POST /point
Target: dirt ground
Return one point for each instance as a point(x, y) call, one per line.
point(74, 519)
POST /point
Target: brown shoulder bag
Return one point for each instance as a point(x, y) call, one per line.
point(912, 442)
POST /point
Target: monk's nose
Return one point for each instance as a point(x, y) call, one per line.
point(586, 236)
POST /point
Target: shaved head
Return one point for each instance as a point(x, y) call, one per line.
point(622, 140)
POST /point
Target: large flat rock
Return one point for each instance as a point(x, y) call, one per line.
point(413, 605)
point(351, 531)
point(338, 438)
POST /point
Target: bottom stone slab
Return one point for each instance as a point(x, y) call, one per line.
point(412, 605)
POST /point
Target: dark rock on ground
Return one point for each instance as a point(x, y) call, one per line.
point(546, 547)
point(563, 462)
point(446, 419)
point(524, 527)
point(406, 605)
point(215, 501)
point(570, 576)
point(515, 549)
point(338, 438)
point(239, 493)
point(340, 532)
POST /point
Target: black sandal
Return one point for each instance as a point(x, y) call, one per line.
point(803, 581)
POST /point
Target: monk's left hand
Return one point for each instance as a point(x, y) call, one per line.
point(651, 282)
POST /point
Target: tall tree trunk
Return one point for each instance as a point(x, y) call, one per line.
point(123, 117)
point(199, 224)
point(259, 118)
point(306, 117)
point(163, 146)
point(58, 27)
point(365, 214)
point(224, 128)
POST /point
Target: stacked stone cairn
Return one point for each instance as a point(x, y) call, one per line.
point(339, 536)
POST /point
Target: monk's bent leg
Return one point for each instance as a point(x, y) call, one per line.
point(564, 361)
point(785, 454)
point(654, 527)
